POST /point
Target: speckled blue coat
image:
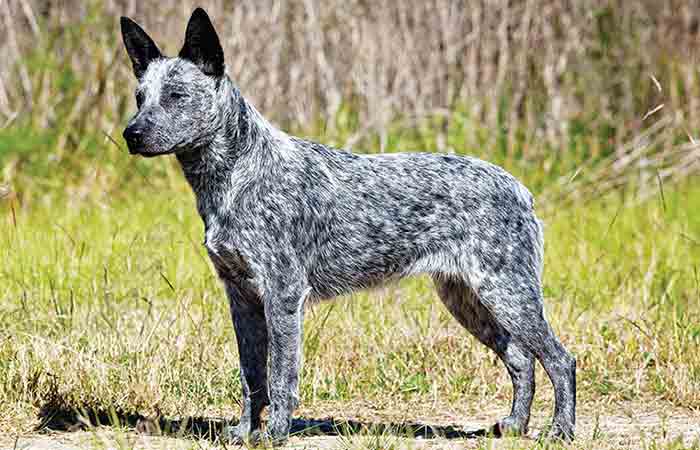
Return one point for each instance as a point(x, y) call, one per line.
point(288, 221)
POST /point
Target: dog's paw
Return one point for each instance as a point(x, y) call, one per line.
point(269, 440)
point(508, 427)
point(232, 435)
point(556, 433)
point(263, 439)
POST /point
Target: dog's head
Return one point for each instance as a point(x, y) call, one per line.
point(177, 98)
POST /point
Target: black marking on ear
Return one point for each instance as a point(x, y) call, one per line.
point(140, 47)
point(202, 46)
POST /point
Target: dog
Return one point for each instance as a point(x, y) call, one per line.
point(289, 222)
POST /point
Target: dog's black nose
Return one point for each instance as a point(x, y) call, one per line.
point(133, 136)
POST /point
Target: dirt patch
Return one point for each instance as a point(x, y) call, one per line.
point(635, 427)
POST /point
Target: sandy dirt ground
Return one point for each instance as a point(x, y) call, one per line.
point(635, 427)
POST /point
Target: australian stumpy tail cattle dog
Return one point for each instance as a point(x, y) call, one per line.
point(289, 222)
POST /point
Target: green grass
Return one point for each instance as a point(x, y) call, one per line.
point(109, 302)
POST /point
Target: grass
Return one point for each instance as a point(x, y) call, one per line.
point(109, 303)
point(539, 84)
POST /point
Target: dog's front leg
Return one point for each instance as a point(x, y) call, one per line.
point(251, 334)
point(284, 311)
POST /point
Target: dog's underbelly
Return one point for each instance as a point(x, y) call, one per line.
point(343, 277)
point(365, 266)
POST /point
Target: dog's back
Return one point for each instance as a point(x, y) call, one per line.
point(389, 215)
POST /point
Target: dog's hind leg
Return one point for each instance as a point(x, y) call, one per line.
point(251, 334)
point(464, 305)
point(515, 302)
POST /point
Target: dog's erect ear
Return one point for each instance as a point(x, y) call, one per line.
point(202, 45)
point(140, 47)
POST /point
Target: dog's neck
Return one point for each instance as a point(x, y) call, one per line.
point(243, 146)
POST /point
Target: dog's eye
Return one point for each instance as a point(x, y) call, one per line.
point(177, 95)
point(140, 97)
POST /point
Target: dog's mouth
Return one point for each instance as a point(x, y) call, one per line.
point(143, 151)
point(141, 147)
point(149, 155)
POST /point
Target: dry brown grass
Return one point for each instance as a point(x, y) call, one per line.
point(532, 69)
point(108, 303)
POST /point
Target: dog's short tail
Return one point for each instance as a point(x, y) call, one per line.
point(539, 246)
point(526, 199)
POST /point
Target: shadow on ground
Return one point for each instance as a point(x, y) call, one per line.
point(66, 419)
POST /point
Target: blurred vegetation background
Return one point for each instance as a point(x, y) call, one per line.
point(107, 298)
point(544, 87)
